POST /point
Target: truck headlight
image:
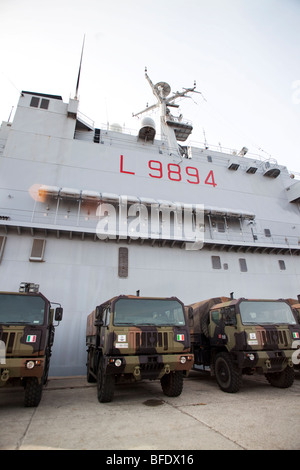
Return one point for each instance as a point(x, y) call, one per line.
point(250, 356)
point(183, 359)
point(30, 364)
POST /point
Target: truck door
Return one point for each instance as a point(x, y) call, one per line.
point(103, 324)
point(222, 325)
point(229, 322)
point(215, 327)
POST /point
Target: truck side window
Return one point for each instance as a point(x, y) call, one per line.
point(106, 317)
point(229, 316)
point(215, 316)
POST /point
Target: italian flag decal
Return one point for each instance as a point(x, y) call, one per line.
point(295, 334)
point(31, 339)
point(180, 337)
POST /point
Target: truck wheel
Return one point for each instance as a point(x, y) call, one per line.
point(227, 374)
point(46, 369)
point(33, 392)
point(283, 379)
point(172, 383)
point(105, 384)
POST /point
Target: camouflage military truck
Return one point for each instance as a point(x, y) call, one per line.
point(134, 338)
point(26, 339)
point(235, 337)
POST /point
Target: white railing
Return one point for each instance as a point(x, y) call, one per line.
point(79, 217)
point(85, 119)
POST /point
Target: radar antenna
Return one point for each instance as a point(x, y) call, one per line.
point(172, 128)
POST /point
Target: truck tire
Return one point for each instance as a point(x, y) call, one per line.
point(172, 383)
point(283, 379)
point(33, 392)
point(105, 384)
point(227, 374)
point(46, 368)
point(89, 377)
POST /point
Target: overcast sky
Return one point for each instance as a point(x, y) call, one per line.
point(243, 54)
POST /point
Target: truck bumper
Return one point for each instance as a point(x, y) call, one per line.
point(17, 368)
point(150, 366)
point(266, 361)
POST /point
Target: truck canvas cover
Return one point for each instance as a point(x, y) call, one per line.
point(200, 311)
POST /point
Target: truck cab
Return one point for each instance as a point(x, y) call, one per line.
point(244, 336)
point(26, 338)
point(134, 338)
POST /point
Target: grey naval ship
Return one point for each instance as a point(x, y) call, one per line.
point(89, 213)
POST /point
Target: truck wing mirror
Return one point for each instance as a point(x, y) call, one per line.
point(58, 313)
point(99, 311)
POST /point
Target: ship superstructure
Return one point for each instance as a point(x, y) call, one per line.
point(89, 213)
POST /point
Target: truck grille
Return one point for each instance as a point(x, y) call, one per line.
point(8, 339)
point(151, 339)
point(274, 337)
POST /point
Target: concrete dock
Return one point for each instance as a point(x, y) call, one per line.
point(141, 417)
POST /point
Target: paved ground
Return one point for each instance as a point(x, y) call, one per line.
point(141, 417)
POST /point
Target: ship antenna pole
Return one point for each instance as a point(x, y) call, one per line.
point(78, 78)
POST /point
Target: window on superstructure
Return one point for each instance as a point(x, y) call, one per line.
point(34, 103)
point(267, 232)
point(281, 263)
point(216, 262)
point(44, 104)
point(37, 250)
point(243, 265)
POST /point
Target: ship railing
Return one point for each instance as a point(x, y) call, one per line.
point(82, 117)
point(89, 136)
point(178, 120)
point(82, 216)
point(257, 238)
point(227, 150)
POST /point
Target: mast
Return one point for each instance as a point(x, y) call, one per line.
point(79, 71)
point(173, 128)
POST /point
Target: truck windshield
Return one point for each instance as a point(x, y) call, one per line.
point(266, 313)
point(22, 309)
point(155, 312)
